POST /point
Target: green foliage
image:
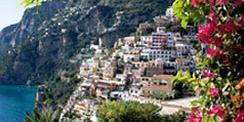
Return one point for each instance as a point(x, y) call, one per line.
point(187, 13)
point(127, 112)
point(35, 116)
point(177, 117)
point(28, 3)
point(58, 90)
point(4, 63)
point(160, 96)
point(187, 79)
point(135, 112)
point(219, 78)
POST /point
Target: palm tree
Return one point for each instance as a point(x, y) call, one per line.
point(43, 116)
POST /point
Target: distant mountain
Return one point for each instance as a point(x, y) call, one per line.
point(47, 48)
point(32, 19)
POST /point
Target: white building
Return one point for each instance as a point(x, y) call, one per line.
point(182, 48)
point(169, 12)
point(135, 91)
point(152, 54)
point(132, 55)
point(159, 40)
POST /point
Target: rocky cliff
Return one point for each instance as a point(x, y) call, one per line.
point(48, 47)
point(32, 19)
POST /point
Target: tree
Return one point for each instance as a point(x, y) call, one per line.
point(44, 116)
point(127, 112)
point(135, 112)
point(31, 2)
point(220, 75)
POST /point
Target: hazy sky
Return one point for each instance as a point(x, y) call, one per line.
point(10, 12)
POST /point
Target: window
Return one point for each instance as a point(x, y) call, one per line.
point(163, 84)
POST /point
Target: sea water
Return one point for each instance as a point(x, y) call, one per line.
point(15, 101)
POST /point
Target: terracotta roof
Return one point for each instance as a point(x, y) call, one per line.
point(157, 87)
point(144, 25)
point(164, 76)
point(183, 60)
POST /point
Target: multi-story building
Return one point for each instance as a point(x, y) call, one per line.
point(109, 70)
point(170, 67)
point(132, 55)
point(151, 54)
point(182, 49)
point(143, 26)
point(159, 40)
point(185, 64)
point(158, 85)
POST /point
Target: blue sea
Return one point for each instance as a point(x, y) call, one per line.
point(15, 101)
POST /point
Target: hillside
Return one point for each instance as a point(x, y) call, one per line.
point(63, 36)
point(51, 55)
point(32, 19)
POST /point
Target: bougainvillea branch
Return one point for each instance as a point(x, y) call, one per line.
point(221, 65)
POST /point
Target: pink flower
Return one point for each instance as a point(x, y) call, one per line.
point(205, 32)
point(241, 23)
point(212, 16)
point(222, 2)
point(195, 115)
point(208, 74)
point(238, 3)
point(214, 53)
point(239, 116)
point(203, 1)
point(216, 110)
point(215, 41)
point(229, 27)
point(210, 112)
point(214, 92)
point(211, 53)
point(226, 62)
point(194, 3)
point(212, 3)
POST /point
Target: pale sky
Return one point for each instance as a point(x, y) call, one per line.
point(10, 12)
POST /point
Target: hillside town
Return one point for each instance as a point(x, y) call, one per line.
point(140, 68)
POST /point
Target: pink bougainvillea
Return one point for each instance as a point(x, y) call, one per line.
point(222, 2)
point(239, 116)
point(216, 110)
point(196, 115)
point(208, 74)
point(194, 3)
point(214, 92)
point(220, 80)
point(211, 53)
point(229, 27)
point(205, 32)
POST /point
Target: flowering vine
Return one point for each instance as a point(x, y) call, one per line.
point(220, 73)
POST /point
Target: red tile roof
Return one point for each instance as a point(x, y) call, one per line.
point(183, 60)
point(157, 88)
point(164, 76)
